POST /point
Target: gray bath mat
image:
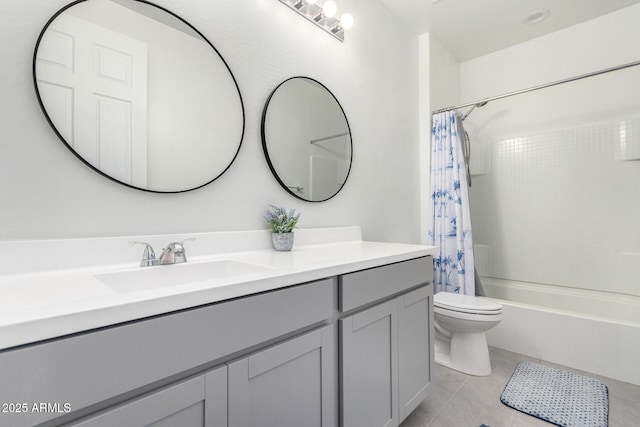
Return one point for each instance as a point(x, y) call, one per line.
point(559, 397)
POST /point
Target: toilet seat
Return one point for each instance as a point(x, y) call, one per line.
point(466, 304)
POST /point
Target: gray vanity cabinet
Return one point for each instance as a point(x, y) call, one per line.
point(160, 369)
point(369, 367)
point(198, 402)
point(354, 350)
point(386, 348)
point(415, 349)
point(288, 385)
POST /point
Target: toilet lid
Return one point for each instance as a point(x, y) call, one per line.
point(466, 303)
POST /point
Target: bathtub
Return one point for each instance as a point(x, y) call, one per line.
point(598, 332)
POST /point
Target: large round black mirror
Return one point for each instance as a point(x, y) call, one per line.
point(307, 139)
point(138, 94)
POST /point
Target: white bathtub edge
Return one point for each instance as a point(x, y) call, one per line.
point(590, 344)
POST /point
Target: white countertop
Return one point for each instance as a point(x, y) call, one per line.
point(40, 305)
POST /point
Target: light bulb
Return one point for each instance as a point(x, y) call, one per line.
point(329, 9)
point(346, 21)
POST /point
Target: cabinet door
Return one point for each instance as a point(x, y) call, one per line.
point(288, 385)
point(415, 348)
point(200, 402)
point(369, 355)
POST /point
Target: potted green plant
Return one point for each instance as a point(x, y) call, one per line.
point(282, 224)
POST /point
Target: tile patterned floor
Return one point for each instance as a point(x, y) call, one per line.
point(460, 400)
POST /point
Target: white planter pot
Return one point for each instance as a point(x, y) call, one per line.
point(282, 241)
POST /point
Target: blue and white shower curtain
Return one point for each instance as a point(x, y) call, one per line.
point(450, 230)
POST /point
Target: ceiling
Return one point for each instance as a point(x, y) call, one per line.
point(472, 28)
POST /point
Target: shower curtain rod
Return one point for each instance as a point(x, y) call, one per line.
point(481, 102)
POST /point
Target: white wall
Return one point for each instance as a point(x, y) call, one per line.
point(439, 86)
point(45, 192)
point(444, 76)
point(555, 203)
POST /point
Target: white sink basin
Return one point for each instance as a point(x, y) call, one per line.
point(176, 275)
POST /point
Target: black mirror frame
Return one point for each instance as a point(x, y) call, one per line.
point(264, 140)
point(35, 85)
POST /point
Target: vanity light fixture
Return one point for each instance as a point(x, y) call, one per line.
point(329, 9)
point(323, 14)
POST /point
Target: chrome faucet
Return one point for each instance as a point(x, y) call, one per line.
point(174, 253)
point(148, 256)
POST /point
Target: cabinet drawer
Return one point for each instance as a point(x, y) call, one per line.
point(87, 369)
point(367, 286)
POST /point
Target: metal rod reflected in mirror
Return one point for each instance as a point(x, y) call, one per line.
point(313, 141)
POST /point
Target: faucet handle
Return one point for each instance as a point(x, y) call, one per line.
point(148, 256)
point(174, 252)
point(189, 239)
point(180, 255)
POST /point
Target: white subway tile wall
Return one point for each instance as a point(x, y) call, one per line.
point(562, 207)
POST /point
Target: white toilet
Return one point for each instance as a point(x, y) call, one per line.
point(460, 323)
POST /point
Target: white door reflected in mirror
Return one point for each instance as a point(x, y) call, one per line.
point(139, 95)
